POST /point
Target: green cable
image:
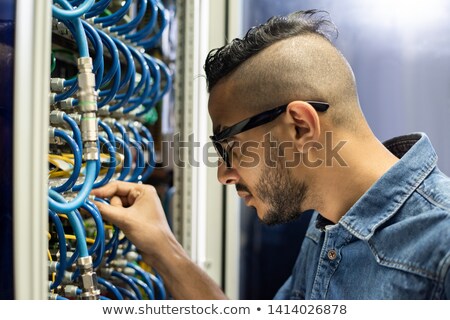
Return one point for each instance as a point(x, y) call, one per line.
point(53, 65)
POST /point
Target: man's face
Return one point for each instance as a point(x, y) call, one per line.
point(259, 174)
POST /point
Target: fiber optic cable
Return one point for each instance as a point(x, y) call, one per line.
point(75, 223)
point(77, 160)
point(128, 79)
point(62, 265)
point(144, 275)
point(128, 281)
point(150, 43)
point(115, 17)
point(111, 288)
point(97, 8)
point(148, 28)
point(127, 27)
point(70, 12)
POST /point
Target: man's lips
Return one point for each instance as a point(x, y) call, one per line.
point(245, 195)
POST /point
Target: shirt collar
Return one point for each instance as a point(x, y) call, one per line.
point(417, 159)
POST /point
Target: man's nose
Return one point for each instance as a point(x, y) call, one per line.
point(227, 175)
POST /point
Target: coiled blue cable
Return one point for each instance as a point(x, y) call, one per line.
point(113, 243)
point(128, 79)
point(150, 43)
point(126, 165)
point(144, 81)
point(145, 287)
point(110, 287)
point(75, 129)
point(115, 17)
point(74, 222)
point(128, 281)
point(99, 244)
point(127, 293)
point(113, 52)
point(125, 143)
point(98, 63)
point(66, 207)
point(111, 163)
point(97, 8)
point(71, 13)
point(140, 162)
point(148, 28)
point(77, 158)
point(144, 275)
point(127, 27)
point(154, 94)
point(150, 145)
point(62, 264)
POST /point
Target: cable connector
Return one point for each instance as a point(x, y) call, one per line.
point(119, 263)
point(71, 291)
point(57, 84)
point(87, 95)
point(88, 279)
point(52, 97)
point(56, 117)
point(87, 101)
point(66, 104)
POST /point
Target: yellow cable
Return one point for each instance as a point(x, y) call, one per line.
point(72, 237)
point(49, 255)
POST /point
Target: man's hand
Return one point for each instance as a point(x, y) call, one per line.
point(136, 209)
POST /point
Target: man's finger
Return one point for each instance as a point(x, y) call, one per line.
point(116, 188)
point(111, 213)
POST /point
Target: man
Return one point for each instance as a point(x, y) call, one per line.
point(381, 223)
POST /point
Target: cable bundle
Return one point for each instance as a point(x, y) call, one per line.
point(98, 134)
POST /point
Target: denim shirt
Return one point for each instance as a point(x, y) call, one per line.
point(393, 243)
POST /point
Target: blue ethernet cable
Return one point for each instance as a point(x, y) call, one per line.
point(67, 207)
point(74, 222)
point(110, 287)
point(108, 21)
point(70, 12)
point(151, 153)
point(144, 287)
point(128, 281)
point(127, 293)
point(62, 264)
point(140, 162)
point(98, 63)
point(126, 166)
point(129, 26)
point(75, 129)
point(97, 9)
point(77, 157)
point(144, 81)
point(154, 93)
point(128, 79)
point(144, 275)
point(148, 28)
point(126, 150)
point(150, 43)
point(111, 163)
point(99, 244)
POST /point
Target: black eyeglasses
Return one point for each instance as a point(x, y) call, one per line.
point(253, 122)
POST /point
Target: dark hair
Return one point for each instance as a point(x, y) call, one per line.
point(221, 61)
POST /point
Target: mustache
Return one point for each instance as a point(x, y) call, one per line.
point(241, 187)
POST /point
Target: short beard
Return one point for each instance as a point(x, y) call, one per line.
point(282, 192)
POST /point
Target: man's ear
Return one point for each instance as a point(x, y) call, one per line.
point(303, 123)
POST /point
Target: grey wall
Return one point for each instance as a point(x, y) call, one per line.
point(400, 53)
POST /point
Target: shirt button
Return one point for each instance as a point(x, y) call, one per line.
point(332, 254)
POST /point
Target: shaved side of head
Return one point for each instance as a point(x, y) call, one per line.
point(305, 67)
